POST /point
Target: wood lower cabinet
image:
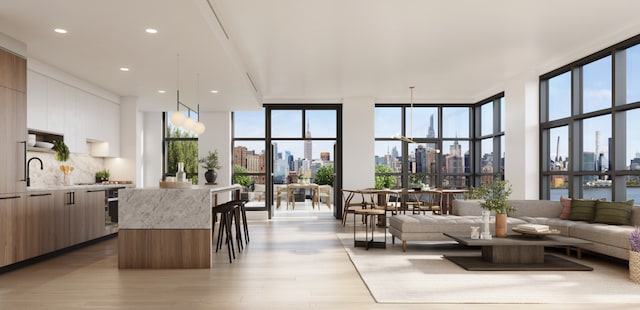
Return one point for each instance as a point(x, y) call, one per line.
point(77, 226)
point(36, 226)
point(37, 223)
point(95, 202)
point(10, 207)
point(61, 209)
point(86, 215)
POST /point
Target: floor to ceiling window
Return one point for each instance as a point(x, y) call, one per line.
point(179, 145)
point(590, 137)
point(443, 155)
point(284, 145)
point(249, 156)
point(489, 139)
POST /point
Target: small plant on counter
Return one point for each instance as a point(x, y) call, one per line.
point(210, 162)
point(62, 151)
point(102, 175)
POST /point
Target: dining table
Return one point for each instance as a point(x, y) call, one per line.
point(315, 198)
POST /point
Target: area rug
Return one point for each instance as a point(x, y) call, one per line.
point(422, 275)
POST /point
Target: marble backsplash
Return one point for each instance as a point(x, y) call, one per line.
point(85, 168)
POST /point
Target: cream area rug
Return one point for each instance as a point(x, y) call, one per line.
point(422, 275)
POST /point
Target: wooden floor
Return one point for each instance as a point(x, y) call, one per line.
point(290, 263)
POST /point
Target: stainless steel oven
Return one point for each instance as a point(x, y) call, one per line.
point(111, 214)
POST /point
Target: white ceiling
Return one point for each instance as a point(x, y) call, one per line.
point(312, 51)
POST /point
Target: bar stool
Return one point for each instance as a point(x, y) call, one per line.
point(226, 211)
point(243, 212)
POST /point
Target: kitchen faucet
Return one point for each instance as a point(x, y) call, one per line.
point(28, 162)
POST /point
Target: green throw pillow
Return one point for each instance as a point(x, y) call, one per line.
point(615, 213)
point(582, 210)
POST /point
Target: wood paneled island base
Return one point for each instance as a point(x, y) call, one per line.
point(164, 248)
point(516, 252)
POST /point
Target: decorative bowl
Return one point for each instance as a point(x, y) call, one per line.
point(44, 145)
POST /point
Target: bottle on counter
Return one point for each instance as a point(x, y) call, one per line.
point(181, 176)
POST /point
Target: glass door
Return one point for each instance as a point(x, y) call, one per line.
point(303, 157)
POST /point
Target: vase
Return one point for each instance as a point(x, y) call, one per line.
point(486, 233)
point(211, 176)
point(67, 179)
point(634, 266)
point(181, 176)
point(501, 225)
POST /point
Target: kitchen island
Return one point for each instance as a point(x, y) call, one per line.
point(168, 228)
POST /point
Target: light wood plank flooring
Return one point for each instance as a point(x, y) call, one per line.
point(290, 263)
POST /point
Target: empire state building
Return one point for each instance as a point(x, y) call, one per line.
point(307, 144)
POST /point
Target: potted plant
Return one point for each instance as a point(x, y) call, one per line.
point(634, 255)
point(102, 176)
point(302, 178)
point(494, 198)
point(210, 162)
point(62, 155)
point(416, 181)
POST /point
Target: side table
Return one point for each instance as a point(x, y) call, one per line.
point(369, 222)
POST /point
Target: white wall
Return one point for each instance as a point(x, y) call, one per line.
point(522, 151)
point(358, 142)
point(216, 137)
point(151, 155)
point(127, 166)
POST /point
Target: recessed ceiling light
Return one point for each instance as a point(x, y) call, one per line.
point(151, 30)
point(60, 30)
point(214, 91)
point(162, 91)
point(124, 69)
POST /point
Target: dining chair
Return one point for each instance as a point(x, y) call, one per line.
point(324, 191)
point(349, 205)
point(429, 201)
point(388, 200)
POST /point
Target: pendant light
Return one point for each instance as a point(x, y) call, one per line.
point(178, 118)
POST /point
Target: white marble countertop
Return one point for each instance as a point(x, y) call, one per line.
point(168, 208)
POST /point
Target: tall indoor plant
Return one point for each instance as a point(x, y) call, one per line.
point(210, 162)
point(494, 198)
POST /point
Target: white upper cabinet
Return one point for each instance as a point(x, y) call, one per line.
point(56, 107)
point(74, 131)
point(57, 96)
point(36, 101)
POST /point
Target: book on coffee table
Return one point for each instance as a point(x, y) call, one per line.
point(533, 227)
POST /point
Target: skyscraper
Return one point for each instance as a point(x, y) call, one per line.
point(431, 133)
point(307, 144)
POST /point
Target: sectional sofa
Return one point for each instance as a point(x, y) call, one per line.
point(606, 239)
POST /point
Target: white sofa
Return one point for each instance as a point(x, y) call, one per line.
point(607, 239)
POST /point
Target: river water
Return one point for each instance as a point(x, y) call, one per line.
point(597, 193)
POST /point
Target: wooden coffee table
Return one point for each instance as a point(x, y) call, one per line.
point(516, 252)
